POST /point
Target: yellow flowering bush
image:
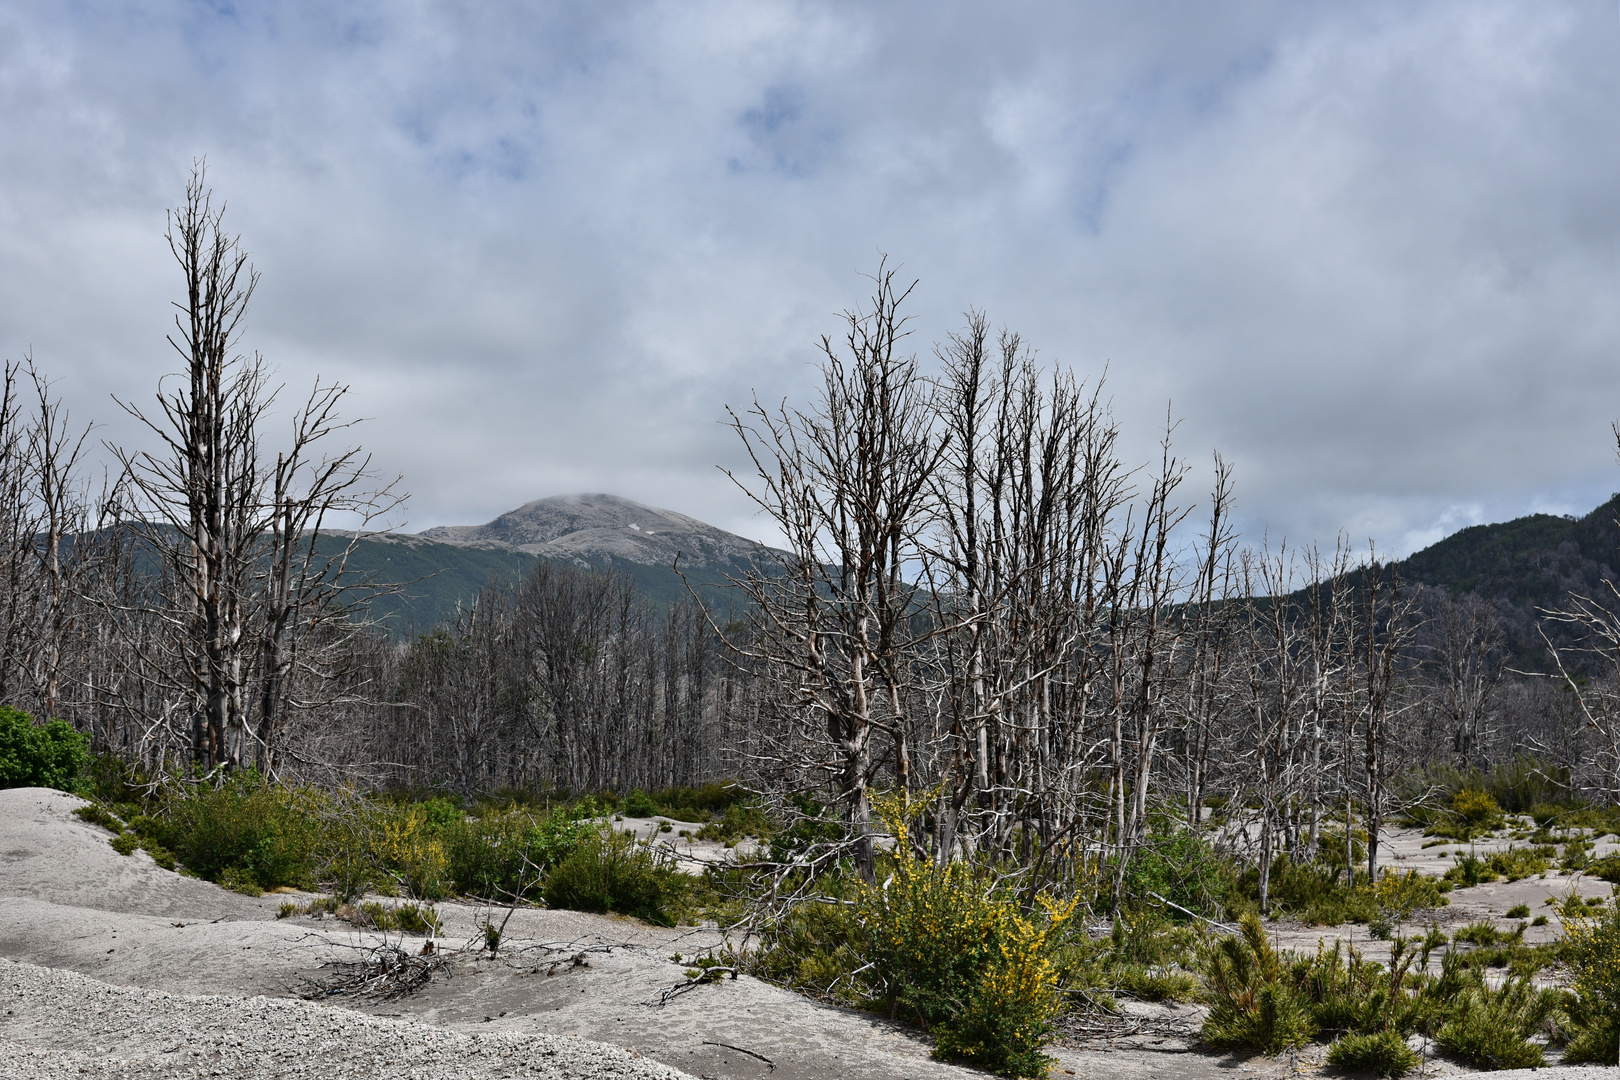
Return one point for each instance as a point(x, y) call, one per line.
point(406, 843)
point(1592, 951)
point(1398, 895)
point(951, 946)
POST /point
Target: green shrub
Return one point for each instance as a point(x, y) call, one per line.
point(406, 844)
point(505, 855)
point(1253, 1006)
point(1398, 895)
point(160, 854)
point(318, 905)
point(1346, 994)
point(1519, 911)
point(707, 802)
point(263, 833)
point(638, 804)
point(1006, 1017)
point(810, 826)
point(439, 813)
point(1183, 868)
point(114, 782)
point(1483, 932)
point(417, 919)
point(141, 832)
point(39, 755)
point(238, 880)
point(950, 946)
point(738, 821)
point(615, 873)
point(1471, 870)
point(1526, 784)
point(1516, 864)
point(1596, 1042)
point(1154, 983)
point(1488, 1028)
point(1382, 1054)
point(1476, 810)
point(814, 947)
point(96, 814)
point(1592, 951)
point(406, 918)
point(1316, 892)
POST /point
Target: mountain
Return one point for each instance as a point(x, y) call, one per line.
point(448, 564)
point(1525, 565)
point(1520, 566)
point(586, 528)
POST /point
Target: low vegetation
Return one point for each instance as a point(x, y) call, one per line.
point(254, 836)
point(963, 949)
point(39, 755)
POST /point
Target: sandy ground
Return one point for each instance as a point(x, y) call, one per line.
point(690, 854)
point(68, 901)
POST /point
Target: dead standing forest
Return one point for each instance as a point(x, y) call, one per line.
point(1053, 650)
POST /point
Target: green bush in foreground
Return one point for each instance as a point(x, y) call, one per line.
point(1255, 1007)
point(1347, 994)
point(950, 945)
point(1592, 951)
point(265, 835)
point(39, 755)
point(616, 873)
point(1488, 1028)
point(1381, 1054)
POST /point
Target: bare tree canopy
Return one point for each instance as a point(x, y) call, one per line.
point(244, 595)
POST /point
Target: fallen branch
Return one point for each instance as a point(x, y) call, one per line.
point(708, 975)
point(761, 1057)
point(386, 973)
point(1194, 914)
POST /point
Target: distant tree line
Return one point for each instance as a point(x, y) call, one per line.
point(566, 681)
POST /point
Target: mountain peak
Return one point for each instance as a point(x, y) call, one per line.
point(584, 528)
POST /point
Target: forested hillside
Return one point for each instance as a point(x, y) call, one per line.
point(1524, 567)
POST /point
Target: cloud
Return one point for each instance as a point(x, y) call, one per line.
point(1368, 250)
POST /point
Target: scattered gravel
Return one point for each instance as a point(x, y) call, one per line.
point(58, 1023)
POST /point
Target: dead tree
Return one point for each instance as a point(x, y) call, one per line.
point(236, 542)
point(1386, 630)
point(847, 485)
point(1467, 639)
point(1591, 671)
point(43, 511)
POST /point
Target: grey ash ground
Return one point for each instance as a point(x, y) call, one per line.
point(114, 967)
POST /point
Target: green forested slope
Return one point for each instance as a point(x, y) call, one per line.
point(1523, 566)
point(436, 577)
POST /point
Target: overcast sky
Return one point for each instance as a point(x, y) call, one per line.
point(1368, 251)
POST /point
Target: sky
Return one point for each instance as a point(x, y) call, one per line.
point(1369, 252)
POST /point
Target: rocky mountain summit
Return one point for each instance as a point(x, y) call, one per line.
point(588, 529)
